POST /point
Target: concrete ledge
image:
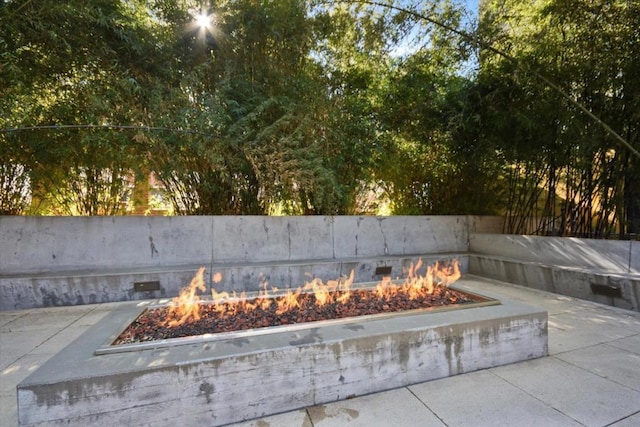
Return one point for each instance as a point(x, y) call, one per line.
point(90, 287)
point(226, 381)
point(52, 244)
point(77, 288)
point(611, 288)
point(606, 256)
point(603, 271)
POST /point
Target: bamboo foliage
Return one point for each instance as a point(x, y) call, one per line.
point(326, 107)
point(570, 177)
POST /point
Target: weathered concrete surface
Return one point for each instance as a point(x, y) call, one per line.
point(52, 290)
point(63, 244)
point(52, 261)
point(603, 271)
point(253, 376)
point(600, 340)
point(384, 236)
point(55, 244)
point(609, 256)
point(283, 275)
point(60, 289)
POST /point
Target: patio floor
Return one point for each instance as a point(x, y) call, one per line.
point(591, 376)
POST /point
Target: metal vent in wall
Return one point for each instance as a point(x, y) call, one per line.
point(152, 285)
point(383, 270)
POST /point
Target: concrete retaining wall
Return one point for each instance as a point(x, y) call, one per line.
point(51, 261)
point(252, 375)
point(604, 271)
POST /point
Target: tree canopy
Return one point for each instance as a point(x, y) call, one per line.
point(526, 109)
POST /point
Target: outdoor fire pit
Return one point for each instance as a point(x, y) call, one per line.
point(189, 316)
point(152, 363)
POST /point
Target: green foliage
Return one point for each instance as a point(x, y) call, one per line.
point(569, 172)
point(68, 63)
point(434, 161)
point(314, 107)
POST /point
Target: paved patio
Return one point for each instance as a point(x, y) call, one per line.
point(591, 376)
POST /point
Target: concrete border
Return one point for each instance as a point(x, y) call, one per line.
point(603, 271)
point(234, 380)
point(55, 245)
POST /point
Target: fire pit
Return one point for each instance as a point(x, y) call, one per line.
point(188, 316)
point(107, 377)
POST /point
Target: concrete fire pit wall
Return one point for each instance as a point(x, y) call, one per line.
point(53, 261)
point(604, 271)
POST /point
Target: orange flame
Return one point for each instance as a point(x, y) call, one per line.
point(186, 307)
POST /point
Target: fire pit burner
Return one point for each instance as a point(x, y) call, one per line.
point(187, 316)
point(149, 329)
point(252, 373)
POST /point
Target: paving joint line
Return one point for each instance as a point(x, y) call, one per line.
point(306, 411)
point(531, 395)
point(19, 316)
point(623, 418)
point(596, 373)
point(63, 329)
point(427, 406)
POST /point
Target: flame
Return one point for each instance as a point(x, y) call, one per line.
point(186, 307)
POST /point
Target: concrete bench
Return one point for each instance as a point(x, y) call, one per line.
point(52, 261)
point(604, 271)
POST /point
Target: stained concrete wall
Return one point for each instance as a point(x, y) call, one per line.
point(604, 271)
point(56, 244)
point(615, 256)
point(49, 261)
point(217, 382)
point(52, 261)
point(62, 244)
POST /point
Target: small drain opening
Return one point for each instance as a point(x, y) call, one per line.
point(383, 270)
point(606, 290)
point(153, 285)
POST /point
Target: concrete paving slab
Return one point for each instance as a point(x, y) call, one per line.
point(60, 340)
point(608, 362)
point(632, 421)
point(631, 344)
point(471, 400)
point(10, 316)
point(577, 393)
point(19, 370)
point(298, 418)
point(626, 318)
point(95, 315)
point(50, 318)
point(399, 405)
point(573, 330)
point(16, 344)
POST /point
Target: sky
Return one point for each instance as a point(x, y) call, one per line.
point(471, 6)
